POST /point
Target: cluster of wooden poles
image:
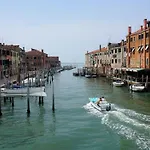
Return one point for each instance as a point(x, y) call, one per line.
point(41, 99)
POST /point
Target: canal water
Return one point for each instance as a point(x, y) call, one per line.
point(75, 125)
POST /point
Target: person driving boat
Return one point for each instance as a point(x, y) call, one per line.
point(98, 102)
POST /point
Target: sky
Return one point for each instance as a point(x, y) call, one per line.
point(69, 28)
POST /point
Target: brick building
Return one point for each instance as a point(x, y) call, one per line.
point(54, 61)
point(37, 60)
point(10, 60)
point(138, 46)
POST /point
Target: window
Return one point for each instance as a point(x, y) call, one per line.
point(7, 52)
point(141, 36)
point(112, 61)
point(115, 50)
point(146, 47)
point(100, 61)
point(134, 39)
point(119, 50)
point(3, 52)
point(115, 60)
point(147, 61)
point(131, 39)
point(34, 57)
point(112, 51)
point(147, 34)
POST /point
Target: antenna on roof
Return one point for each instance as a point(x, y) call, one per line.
point(109, 39)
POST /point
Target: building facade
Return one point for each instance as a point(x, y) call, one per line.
point(37, 60)
point(138, 46)
point(116, 55)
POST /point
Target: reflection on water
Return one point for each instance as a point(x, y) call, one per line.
point(75, 127)
point(128, 123)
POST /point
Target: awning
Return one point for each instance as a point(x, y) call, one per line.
point(142, 47)
point(139, 48)
point(134, 69)
point(133, 49)
point(146, 48)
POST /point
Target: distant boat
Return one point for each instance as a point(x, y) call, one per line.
point(94, 75)
point(88, 75)
point(75, 74)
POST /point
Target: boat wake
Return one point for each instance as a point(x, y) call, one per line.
point(127, 123)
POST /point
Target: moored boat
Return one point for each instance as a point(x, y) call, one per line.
point(23, 90)
point(137, 87)
point(88, 75)
point(118, 83)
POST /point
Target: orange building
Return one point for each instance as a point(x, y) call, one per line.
point(138, 47)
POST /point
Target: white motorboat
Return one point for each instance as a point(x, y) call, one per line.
point(32, 81)
point(94, 75)
point(103, 106)
point(118, 83)
point(88, 76)
point(137, 87)
point(23, 90)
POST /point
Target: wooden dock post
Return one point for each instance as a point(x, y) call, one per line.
point(142, 78)
point(12, 101)
point(50, 81)
point(0, 103)
point(28, 99)
point(53, 96)
point(5, 100)
point(40, 100)
point(146, 83)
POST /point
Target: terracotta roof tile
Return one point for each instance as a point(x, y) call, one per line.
point(139, 31)
point(98, 51)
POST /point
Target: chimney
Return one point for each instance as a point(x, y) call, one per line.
point(145, 23)
point(100, 47)
point(148, 24)
point(23, 48)
point(141, 28)
point(129, 30)
point(42, 50)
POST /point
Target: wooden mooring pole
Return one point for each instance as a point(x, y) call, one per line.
point(28, 99)
point(5, 100)
point(53, 96)
point(12, 102)
point(40, 100)
point(50, 81)
point(0, 103)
